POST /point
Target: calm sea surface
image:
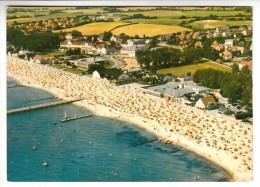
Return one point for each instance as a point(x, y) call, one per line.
point(91, 149)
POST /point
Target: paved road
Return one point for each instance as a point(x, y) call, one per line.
point(117, 64)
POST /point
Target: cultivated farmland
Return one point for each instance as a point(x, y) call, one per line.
point(183, 70)
point(208, 24)
point(94, 28)
point(187, 13)
point(148, 29)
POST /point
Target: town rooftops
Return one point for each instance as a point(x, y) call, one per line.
point(223, 28)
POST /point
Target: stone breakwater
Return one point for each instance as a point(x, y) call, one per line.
point(227, 143)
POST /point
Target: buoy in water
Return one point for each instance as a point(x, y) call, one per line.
point(45, 164)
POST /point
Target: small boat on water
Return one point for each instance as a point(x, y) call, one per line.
point(45, 164)
point(34, 147)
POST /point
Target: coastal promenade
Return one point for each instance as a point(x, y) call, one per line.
point(40, 106)
point(226, 142)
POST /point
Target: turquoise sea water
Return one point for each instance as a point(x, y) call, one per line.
point(91, 149)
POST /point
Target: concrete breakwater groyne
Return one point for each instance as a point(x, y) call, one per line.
point(46, 105)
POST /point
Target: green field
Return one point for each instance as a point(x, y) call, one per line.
point(189, 13)
point(208, 24)
point(161, 21)
point(148, 29)
point(183, 70)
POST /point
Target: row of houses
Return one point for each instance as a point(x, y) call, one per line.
point(127, 49)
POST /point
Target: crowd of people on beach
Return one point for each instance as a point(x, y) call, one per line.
point(226, 142)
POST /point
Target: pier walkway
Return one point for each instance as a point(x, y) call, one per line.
point(77, 117)
point(45, 105)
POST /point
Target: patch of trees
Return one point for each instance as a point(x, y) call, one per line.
point(107, 36)
point(75, 52)
point(141, 16)
point(167, 57)
point(76, 33)
point(236, 86)
point(112, 9)
point(110, 74)
point(36, 42)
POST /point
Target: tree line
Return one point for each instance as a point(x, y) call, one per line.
point(153, 60)
point(236, 86)
point(35, 42)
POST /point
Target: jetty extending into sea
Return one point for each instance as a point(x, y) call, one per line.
point(40, 106)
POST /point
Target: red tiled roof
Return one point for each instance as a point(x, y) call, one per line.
point(227, 53)
point(207, 101)
point(246, 63)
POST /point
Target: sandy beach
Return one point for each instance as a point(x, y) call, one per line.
point(226, 142)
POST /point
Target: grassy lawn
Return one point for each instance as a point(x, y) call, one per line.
point(68, 69)
point(94, 28)
point(55, 53)
point(148, 29)
point(75, 70)
point(58, 66)
point(110, 64)
point(207, 24)
point(183, 70)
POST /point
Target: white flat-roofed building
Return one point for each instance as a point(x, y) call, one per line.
point(85, 62)
point(178, 89)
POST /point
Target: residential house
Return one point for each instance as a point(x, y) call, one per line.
point(237, 48)
point(195, 35)
point(227, 55)
point(69, 36)
point(132, 46)
point(128, 51)
point(183, 43)
point(40, 59)
point(228, 43)
point(188, 36)
point(209, 34)
point(72, 44)
point(245, 31)
point(245, 63)
point(223, 30)
point(182, 36)
point(198, 44)
point(217, 46)
point(205, 102)
point(89, 48)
